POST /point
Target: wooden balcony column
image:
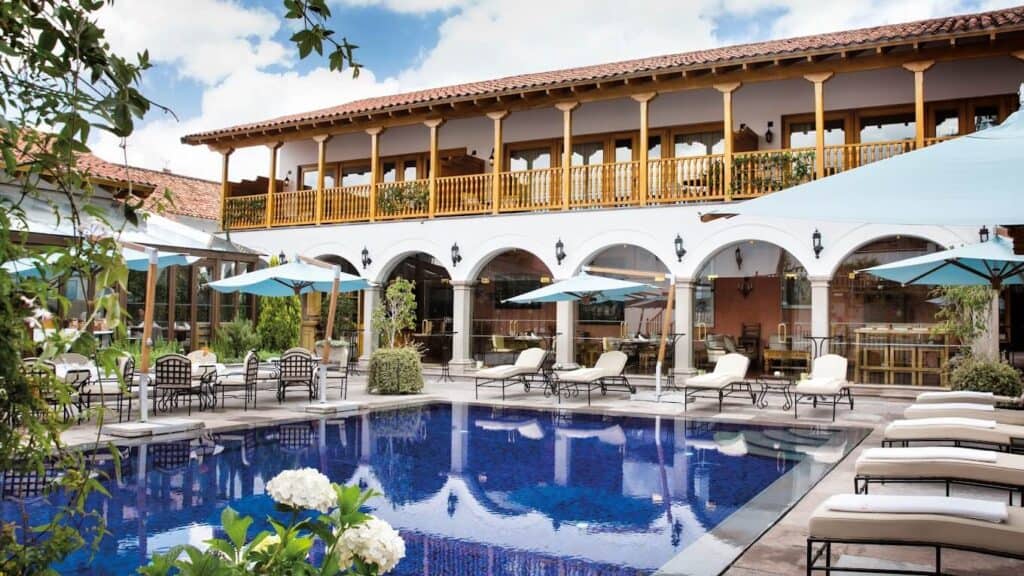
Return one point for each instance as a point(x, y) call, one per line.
point(273, 147)
point(435, 161)
point(644, 99)
point(321, 165)
point(498, 156)
point(374, 167)
point(819, 80)
point(566, 108)
point(225, 185)
point(919, 68)
point(727, 89)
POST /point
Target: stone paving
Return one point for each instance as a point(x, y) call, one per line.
point(780, 551)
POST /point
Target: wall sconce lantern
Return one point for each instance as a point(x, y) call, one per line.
point(559, 251)
point(288, 179)
point(739, 258)
point(366, 258)
point(768, 134)
point(746, 286)
point(983, 234)
point(456, 257)
point(490, 159)
point(816, 243)
point(680, 251)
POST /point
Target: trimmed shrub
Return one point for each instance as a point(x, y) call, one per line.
point(280, 322)
point(999, 378)
point(234, 339)
point(395, 371)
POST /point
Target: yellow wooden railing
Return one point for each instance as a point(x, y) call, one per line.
point(458, 195)
point(604, 185)
point(685, 179)
point(530, 190)
point(936, 139)
point(348, 204)
point(669, 181)
point(408, 199)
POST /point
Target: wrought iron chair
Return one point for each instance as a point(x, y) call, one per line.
point(245, 381)
point(297, 369)
point(105, 387)
point(173, 381)
point(337, 368)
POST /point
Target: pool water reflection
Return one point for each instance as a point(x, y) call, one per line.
point(477, 490)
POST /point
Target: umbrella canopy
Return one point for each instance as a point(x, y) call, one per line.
point(295, 277)
point(581, 287)
point(136, 260)
point(966, 181)
point(991, 263)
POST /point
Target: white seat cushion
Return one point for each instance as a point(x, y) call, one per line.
point(710, 381)
point(824, 386)
point(503, 371)
point(583, 375)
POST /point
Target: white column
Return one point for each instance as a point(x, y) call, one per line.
point(684, 325)
point(565, 326)
point(462, 324)
point(819, 308)
point(371, 297)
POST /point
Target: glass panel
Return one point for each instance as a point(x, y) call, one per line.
point(802, 134)
point(137, 298)
point(699, 143)
point(501, 329)
point(985, 117)
point(203, 294)
point(409, 172)
point(355, 175)
point(888, 128)
point(654, 147)
point(227, 300)
point(244, 300)
point(183, 297)
point(532, 159)
point(389, 172)
point(587, 153)
point(947, 123)
point(309, 178)
point(76, 293)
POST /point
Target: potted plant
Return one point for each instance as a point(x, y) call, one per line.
point(395, 368)
point(337, 350)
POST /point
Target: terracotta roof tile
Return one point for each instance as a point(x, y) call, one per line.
point(192, 197)
point(922, 30)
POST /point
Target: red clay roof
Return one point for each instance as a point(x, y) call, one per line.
point(193, 197)
point(923, 30)
point(99, 168)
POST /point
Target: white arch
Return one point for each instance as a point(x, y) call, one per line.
point(579, 255)
point(776, 234)
point(484, 253)
point(858, 237)
point(395, 253)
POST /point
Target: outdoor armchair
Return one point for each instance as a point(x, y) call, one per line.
point(606, 373)
point(297, 369)
point(528, 365)
point(827, 384)
point(728, 377)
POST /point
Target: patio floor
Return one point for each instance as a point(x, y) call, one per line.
point(780, 551)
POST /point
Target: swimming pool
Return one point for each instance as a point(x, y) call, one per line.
point(482, 490)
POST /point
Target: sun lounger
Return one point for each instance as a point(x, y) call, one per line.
point(982, 526)
point(726, 379)
point(526, 368)
point(606, 373)
point(943, 465)
point(956, 396)
point(965, 410)
point(958, 431)
point(826, 385)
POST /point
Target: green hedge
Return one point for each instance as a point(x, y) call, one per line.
point(395, 371)
point(972, 373)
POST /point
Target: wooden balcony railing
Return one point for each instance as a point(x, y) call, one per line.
point(669, 181)
point(459, 195)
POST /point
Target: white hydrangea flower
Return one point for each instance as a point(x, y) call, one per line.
point(373, 541)
point(305, 488)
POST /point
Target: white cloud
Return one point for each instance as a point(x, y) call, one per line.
point(406, 6)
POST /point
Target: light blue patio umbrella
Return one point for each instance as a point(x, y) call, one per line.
point(136, 260)
point(968, 181)
point(300, 276)
point(583, 287)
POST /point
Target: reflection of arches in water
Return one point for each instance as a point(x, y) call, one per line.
point(411, 451)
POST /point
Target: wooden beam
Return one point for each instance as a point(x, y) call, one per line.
point(225, 185)
point(321, 165)
point(272, 181)
point(666, 322)
point(433, 124)
point(498, 156)
point(919, 68)
point(566, 108)
point(819, 79)
point(644, 99)
point(727, 88)
point(374, 168)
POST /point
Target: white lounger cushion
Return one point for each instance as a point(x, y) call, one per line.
point(970, 508)
point(529, 361)
point(710, 380)
point(925, 408)
point(828, 376)
point(944, 422)
point(825, 386)
point(610, 364)
point(956, 396)
point(729, 368)
point(929, 453)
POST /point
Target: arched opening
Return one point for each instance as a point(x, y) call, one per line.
point(633, 326)
point(502, 329)
point(348, 315)
point(882, 327)
point(432, 287)
point(754, 298)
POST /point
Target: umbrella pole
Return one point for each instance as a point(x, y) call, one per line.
point(147, 334)
point(331, 308)
point(665, 323)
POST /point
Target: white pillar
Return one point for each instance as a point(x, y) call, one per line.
point(462, 324)
point(684, 325)
point(371, 297)
point(565, 326)
point(819, 308)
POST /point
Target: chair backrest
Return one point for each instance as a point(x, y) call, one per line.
point(531, 358)
point(497, 341)
point(202, 357)
point(126, 364)
point(612, 362)
point(714, 342)
point(732, 365)
point(296, 365)
point(252, 367)
point(70, 358)
point(296, 350)
point(173, 371)
point(832, 366)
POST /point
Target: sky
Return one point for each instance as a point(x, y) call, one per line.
point(223, 62)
